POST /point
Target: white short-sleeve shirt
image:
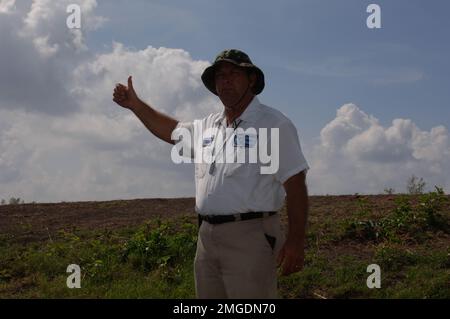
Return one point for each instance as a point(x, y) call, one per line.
point(233, 187)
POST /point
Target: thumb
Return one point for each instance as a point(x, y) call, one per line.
point(130, 83)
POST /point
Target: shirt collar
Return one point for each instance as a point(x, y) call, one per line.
point(249, 115)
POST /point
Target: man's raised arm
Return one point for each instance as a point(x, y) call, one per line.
point(156, 122)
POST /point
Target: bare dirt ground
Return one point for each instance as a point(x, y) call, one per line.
point(31, 222)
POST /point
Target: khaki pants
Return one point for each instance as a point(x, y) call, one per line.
point(236, 259)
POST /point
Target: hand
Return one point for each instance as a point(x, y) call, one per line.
point(291, 256)
point(126, 96)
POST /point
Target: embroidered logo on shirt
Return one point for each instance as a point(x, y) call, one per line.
point(245, 140)
point(207, 141)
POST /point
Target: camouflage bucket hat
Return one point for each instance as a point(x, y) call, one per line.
point(238, 58)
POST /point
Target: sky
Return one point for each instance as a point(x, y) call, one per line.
point(371, 106)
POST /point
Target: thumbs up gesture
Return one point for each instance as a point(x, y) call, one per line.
point(125, 96)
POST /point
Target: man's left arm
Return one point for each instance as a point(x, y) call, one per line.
point(292, 254)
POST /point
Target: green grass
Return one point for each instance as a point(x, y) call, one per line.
point(155, 260)
point(404, 223)
point(404, 274)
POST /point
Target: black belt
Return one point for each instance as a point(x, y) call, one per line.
point(220, 219)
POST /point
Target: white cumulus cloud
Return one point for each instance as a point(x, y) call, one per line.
point(357, 154)
point(7, 6)
point(61, 135)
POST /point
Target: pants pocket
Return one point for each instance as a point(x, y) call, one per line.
point(271, 240)
point(271, 229)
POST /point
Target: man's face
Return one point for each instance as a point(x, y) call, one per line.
point(232, 83)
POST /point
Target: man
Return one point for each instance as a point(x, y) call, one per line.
point(240, 242)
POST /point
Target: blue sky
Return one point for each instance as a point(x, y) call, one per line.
point(371, 105)
point(317, 55)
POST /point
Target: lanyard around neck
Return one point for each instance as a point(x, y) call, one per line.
point(213, 164)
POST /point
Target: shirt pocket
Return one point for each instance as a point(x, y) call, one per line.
point(200, 170)
point(205, 161)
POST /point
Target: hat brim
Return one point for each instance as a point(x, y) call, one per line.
point(210, 83)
